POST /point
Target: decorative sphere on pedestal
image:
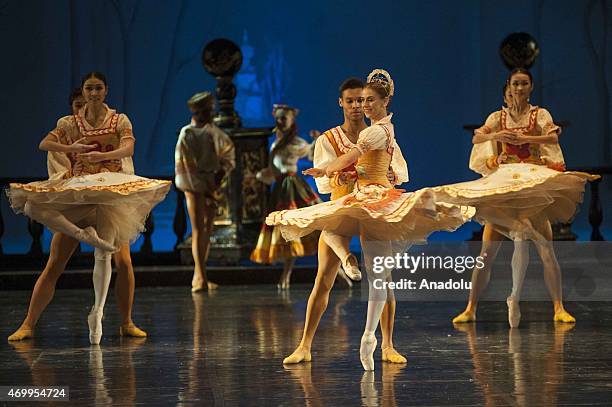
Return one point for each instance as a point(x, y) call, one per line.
point(222, 58)
point(519, 50)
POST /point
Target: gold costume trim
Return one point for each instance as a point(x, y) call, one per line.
point(457, 192)
point(122, 189)
point(393, 217)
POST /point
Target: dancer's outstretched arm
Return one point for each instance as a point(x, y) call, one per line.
point(342, 162)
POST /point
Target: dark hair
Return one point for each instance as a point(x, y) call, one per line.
point(519, 70)
point(96, 75)
point(350, 83)
point(76, 93)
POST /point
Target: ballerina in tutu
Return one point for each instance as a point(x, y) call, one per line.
point(375, 211)
point(61, 249)
point(99, 188)
point(524, 190)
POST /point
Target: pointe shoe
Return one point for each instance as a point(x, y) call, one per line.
point(21, 334)
point(564, 316)
point(90, 236)
point(391, 355)
point(464, 317)
point(352, 271)
point(366, 351)
point(299, 355)
point(514, 312)
point(94, 320)
point(132, 331)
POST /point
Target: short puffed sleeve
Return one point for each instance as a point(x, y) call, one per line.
point(375, 137)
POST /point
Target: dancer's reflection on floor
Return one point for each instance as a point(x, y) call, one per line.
point(533, 357)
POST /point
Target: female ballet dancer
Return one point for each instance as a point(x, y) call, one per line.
point(523, 191)
point(98, 190)
point(61, 249)
point(375, 211)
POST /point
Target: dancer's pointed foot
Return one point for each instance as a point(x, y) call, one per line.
point(131, 330)
point(464, 317)
point(299, 355)
point(351, 267)
point(514, 312)
point(564, 317)
point(24, 332)
point(389, 354)
point(94, 320)
point(366, 351)
point(90, 236)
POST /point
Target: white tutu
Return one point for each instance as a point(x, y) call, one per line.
point(516, 192)
point(376, 213)
point(123, 200)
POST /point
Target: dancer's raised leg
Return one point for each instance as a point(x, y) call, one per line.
point(340, 245)
point(57, 222)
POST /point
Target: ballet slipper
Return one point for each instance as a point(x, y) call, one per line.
point(564, 317)
point(514, 312)
point(132, 330)
point(94, 321)
point(351, 270)
point(465, 316)
point(389, 354)
point(299, 355)
point(24, 332)
point(90, 236)
point(366, 351)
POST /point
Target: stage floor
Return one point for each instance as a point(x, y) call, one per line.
point(227, 348)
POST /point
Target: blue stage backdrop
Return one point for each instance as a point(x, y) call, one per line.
point(443, 56)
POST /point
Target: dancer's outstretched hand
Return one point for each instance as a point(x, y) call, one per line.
point(315, 172)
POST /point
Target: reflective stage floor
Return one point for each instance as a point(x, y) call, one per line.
point(226, 349)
